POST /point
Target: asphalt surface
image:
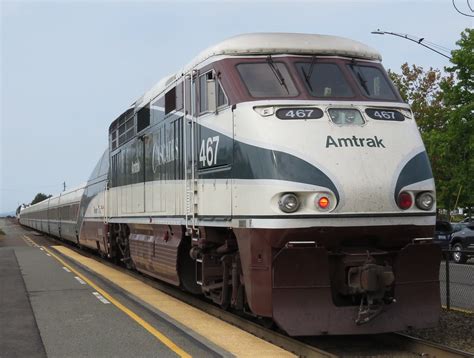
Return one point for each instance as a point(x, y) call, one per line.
point(19, 333)
point(46, 311)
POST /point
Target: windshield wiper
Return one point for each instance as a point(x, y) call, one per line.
point(307, 77)
point(277, 73)
point(362, 80)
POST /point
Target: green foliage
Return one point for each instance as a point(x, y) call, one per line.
point(462, 93)
point(40, 197)
point(422, 90)
point(459, 99)
point(443, 106)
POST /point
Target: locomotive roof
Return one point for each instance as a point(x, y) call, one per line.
point(271, 44)
point(288, 43)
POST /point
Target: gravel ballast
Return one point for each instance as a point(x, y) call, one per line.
point(455, 329)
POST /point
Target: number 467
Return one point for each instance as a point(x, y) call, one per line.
point(384, 114)
point(208, 151)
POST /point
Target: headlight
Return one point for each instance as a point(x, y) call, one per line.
point(424, 201)
point(345, 116)
point(289, 203)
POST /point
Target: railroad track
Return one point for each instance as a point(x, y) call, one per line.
point(381, 345)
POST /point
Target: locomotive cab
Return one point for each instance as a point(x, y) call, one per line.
point(331, 191)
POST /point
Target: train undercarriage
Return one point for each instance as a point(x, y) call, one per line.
point(306, 282)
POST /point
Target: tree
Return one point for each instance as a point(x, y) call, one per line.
point(422, 90)
point(459, 98)
point(40, 197)
point(443, 107)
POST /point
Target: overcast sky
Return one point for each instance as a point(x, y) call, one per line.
point(69, 68)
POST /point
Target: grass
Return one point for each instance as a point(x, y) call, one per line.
point(1, 232)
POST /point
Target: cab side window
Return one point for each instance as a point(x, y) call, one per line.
point(211, 93)
point(204, 89)
point(221, 96)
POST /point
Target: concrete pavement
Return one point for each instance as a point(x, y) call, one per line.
point(47, 310)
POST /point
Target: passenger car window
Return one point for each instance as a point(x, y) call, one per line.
point(270, 79)
point(373, 82)
point(324, 80)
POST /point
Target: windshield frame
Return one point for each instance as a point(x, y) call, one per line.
point(239, 92)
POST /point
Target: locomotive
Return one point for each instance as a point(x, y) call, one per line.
point(277, 174)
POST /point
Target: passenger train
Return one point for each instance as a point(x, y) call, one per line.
point(277, 174)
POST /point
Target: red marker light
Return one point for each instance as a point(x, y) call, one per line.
point(323, 202)
point(405, 201)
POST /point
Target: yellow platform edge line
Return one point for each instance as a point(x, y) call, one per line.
point(232, 339)
point(160, 336)
point(26, 241)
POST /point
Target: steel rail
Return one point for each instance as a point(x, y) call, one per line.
point(424, 348)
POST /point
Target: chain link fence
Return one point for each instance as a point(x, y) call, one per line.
point(457, 281)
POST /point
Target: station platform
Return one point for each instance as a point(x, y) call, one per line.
point(55, 302)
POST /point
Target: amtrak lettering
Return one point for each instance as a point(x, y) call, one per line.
point(163, 152)
point(374, 142)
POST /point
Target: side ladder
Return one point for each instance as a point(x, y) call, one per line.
point(190, 179)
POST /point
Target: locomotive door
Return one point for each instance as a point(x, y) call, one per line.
point(214, 147)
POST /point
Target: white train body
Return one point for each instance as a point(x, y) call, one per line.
point(290, 163)
point(57, 216)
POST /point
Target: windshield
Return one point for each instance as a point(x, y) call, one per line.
point(373, 82)
point(324, 80)
point(270, 79)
